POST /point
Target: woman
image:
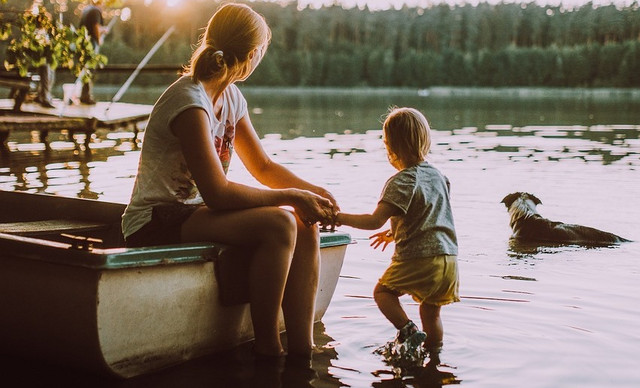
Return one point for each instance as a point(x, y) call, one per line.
point(182, 194)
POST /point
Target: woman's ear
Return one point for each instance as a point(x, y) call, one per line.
point(253, 53)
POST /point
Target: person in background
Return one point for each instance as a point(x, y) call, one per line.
point(182, 193)
point(47, 79)
point(46, 72)
point(93, 21)
point(424, 262)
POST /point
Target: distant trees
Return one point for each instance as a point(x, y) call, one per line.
point(484, 45)
point(464, 45)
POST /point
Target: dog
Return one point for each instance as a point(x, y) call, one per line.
point(529, 226)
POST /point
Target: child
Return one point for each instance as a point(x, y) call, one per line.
point(424, 264)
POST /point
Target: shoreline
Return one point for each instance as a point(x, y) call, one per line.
point(435, 91)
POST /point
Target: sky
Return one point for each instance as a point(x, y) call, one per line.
point(383, 4)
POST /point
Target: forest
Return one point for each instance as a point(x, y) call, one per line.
point(486, 45)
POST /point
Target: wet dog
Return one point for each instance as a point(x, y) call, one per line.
point(529, 226)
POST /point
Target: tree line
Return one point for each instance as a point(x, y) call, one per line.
point(490, 45)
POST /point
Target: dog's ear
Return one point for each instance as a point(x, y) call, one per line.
point(534, 199)
point(509, 199)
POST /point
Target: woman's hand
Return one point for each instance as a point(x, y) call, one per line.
point(325, 193)
point(381, 238)
point(332, 222)
point(312, 208)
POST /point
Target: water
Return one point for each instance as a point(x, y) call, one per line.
point(538, 317)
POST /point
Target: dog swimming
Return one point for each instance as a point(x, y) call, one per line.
point(529, 226)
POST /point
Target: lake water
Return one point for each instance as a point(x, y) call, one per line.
point(564, 316)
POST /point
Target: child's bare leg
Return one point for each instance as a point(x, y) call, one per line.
point(389, 304)
point(300, 292)
point(432, 325)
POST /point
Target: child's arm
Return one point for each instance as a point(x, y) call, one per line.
point(369, 221)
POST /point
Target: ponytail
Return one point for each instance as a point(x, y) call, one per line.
point(232, 33)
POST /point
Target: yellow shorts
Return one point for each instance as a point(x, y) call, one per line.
point(432, 280)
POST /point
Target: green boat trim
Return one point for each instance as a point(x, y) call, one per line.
point(116, 258)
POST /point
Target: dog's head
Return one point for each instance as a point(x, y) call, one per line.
point(520, 206)
point(511, 198)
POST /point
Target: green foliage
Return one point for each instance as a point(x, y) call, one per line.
point(39, 41)
point(493, 45)
point(5, 31)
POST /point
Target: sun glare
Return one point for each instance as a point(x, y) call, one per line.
point(173, 3)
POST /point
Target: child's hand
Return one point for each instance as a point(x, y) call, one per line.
point(381, 238)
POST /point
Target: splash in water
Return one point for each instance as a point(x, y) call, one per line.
point(403, 355)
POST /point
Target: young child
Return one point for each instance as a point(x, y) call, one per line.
point(424, 264)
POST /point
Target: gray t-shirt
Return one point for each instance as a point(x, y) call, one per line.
point(425, 228)
point(163, 176)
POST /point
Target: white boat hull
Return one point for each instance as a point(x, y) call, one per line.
point(123, 319)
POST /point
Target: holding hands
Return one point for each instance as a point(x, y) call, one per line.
point(313, 208)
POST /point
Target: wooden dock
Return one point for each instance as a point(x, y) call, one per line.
point(73, 118)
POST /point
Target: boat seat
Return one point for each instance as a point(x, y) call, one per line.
point(31, 228)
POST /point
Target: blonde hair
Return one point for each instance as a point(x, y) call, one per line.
point(233, 32)
point(407, 135)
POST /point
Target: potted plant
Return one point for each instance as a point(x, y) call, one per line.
point(37, 40)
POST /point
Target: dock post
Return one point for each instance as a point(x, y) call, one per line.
point(44, 134)
point(136, 130)
point(92, 124)
point(4, 147)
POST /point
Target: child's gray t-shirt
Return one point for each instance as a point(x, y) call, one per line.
point(425, 228)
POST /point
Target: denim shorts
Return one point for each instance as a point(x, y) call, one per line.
point(165, 226)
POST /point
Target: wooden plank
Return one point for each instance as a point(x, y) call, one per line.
point(39, 123)
point(14, 80)
point(75, 118)
point(24, 206)
point(28, 228)
point(22, 83)
point(20, 87)
point(118, 112)
point(148, 68)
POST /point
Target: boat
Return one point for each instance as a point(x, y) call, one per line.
point(71, 294)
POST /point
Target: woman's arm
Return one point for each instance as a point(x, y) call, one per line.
point(271, 174)
point(192, 129)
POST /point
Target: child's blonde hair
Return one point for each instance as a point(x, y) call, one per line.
point(233, 32)
point(407, 135)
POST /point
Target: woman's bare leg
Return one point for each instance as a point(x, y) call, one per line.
point(300, 292)
point(272, 232)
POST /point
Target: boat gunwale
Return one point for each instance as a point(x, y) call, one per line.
point(118, 258)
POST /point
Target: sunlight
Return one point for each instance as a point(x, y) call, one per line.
point(125, 14)
point(173, 3)
point(398, 4)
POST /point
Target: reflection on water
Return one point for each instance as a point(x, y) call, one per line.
point(431, 375)
point(236, 368)
point(66, 168)
point(529, 316)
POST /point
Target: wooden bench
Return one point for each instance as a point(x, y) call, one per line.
point(20, 87)
point(57, 226)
